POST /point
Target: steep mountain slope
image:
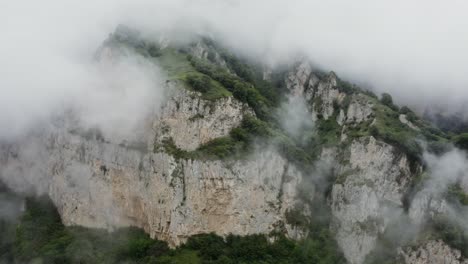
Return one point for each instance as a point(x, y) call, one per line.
point(218, 156)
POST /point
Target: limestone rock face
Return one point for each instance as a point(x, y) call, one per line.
point(191, 121)
point(372, 184)
point(171, 199)
point(359, 110)
point(102, 184)
point(373, 176)
point(426, 205)
point(298, 78)
point(432, 252)
point(326, 94)
point(320, 93)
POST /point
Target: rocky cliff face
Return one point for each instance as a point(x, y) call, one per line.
point(432, 252)
point(320, 93)
point(98, 182)
point(373, 176)
point(367, 189)
point(190, 121)
point(95, 183)
point(171, 199)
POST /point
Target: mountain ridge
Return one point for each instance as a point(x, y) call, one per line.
point(360, 157)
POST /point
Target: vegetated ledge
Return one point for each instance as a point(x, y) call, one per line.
point(241, 142)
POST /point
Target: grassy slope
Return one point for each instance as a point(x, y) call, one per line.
point(177, 67)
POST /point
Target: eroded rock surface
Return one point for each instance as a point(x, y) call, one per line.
point(432, 252)
point(102, 184)
point(372, 183)
point(191, 121)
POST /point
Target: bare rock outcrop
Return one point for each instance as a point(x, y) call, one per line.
point(191, 121)
point(371, 184)
point(432, 252)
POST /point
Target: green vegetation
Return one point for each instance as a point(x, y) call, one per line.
point(39, 236)
point(241, 90)
point(239, 143)
point(452, 234)
point(329, 131)
point(200, 83)
point(210, 89)
point(456, 192)
point(388, 101)
point(346, 87)
point(175, 64)
point(154, 50)
point(461, 141)
point(252, 73)
point(257, 249)
point(235, 145)
point(243, 80)
point(391, 130)
point(215, 82)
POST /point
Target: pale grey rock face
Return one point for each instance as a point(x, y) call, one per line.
point(191, 121)
point(359, 110)
point(102, 184)
point(341, 117)
point(298, 78)
point(370, 185)
point(321, 94)
point(432, 252)
point(326, 93)
point(426, 205)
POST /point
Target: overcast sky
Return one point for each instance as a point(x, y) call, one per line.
point(416, 50)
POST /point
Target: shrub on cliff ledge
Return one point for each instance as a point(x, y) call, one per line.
point(388, 101)
point(200, 83)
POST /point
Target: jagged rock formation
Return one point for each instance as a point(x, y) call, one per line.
point(371, 184)
point(373, 176)
point(432, 252)
point(191, 121)
point(358, 111)
point(425, 206)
